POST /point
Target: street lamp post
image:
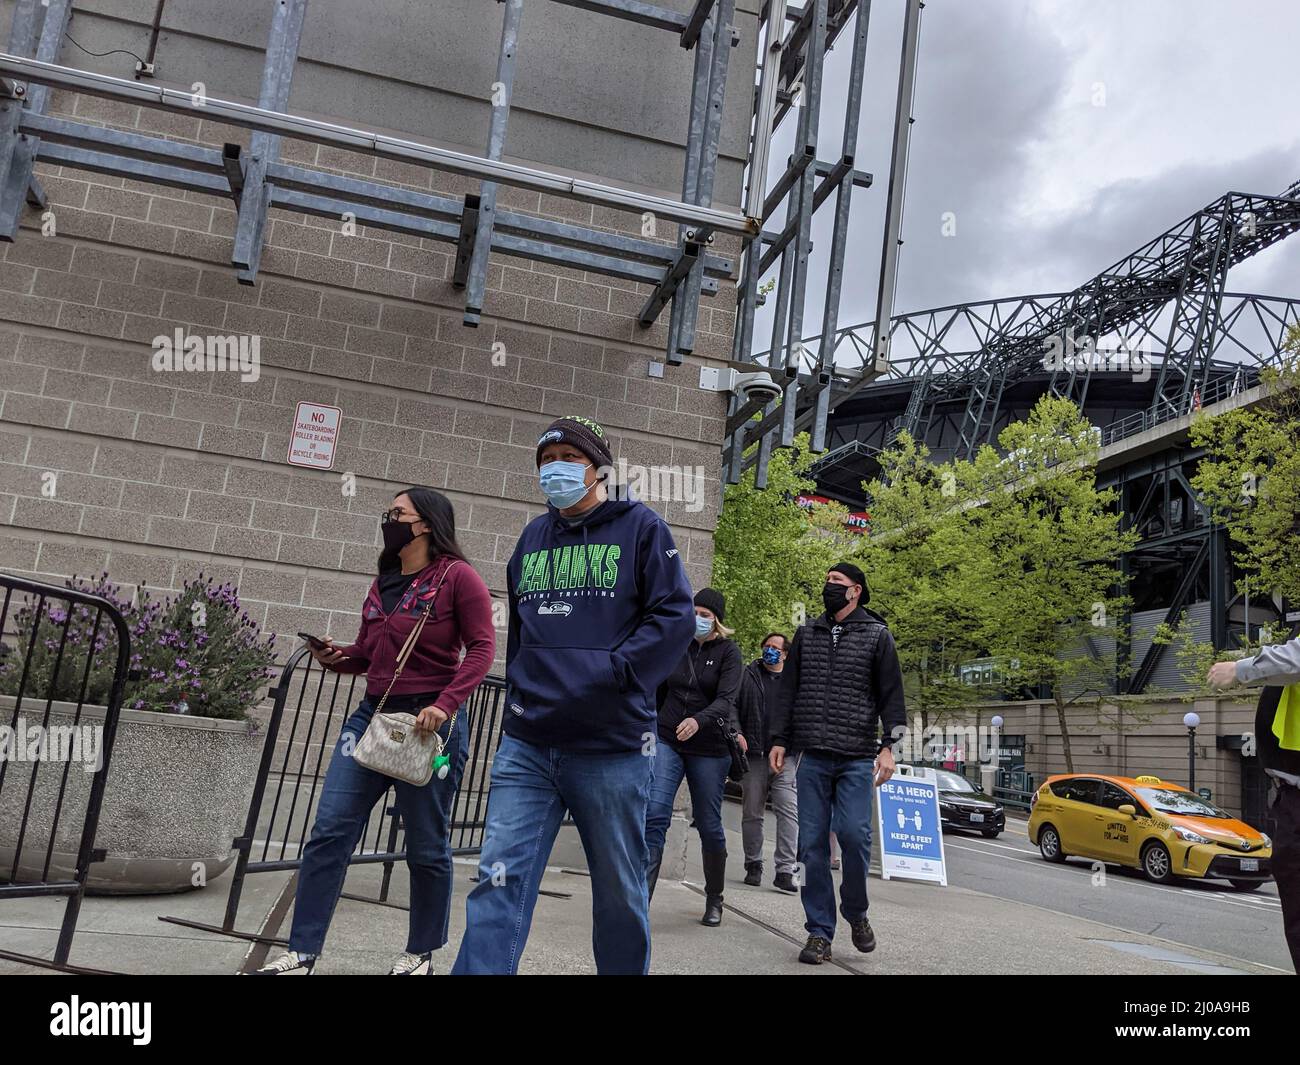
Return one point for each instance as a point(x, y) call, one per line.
point(1191, 720)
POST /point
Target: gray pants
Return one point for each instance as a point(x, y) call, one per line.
point(759, 781)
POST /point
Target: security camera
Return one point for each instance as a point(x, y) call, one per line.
point(756, 386)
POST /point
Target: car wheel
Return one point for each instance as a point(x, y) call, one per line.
point(1049, 844)
point(991, 833)
point(1156, 864)
point(1246, 885)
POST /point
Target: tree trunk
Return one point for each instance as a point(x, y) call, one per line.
point(1065, 728)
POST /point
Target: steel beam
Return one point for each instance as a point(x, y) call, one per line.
point(20, 186)
point(22, 39)
point(476, 280)
point(839, 176)
point(661, 18)
point(381, 145)
point(255, 196)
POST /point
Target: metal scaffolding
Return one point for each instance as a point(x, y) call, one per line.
point(956, 375)
point(258, 181)
point(792, 74)
point(794, 41)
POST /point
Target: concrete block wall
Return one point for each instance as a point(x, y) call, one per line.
point(158, 476)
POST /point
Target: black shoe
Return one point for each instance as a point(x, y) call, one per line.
point(785, 882)
point(753, 873)
point(815, 951)
point(715, 878)
point(863, 937)
point(712, 911)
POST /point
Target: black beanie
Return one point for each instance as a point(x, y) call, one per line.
point(712, 599)
point(856, 576)
point(584, 434)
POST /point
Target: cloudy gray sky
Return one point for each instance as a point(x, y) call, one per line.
point(1063, 134)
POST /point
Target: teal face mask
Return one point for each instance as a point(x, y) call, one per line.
point(563, 483)
point(703, 626)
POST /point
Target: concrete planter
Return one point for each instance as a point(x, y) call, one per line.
point(177, 795)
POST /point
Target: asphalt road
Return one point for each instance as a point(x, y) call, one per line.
point(1207, 914)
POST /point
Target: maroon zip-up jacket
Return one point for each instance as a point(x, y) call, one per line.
point(461, 617)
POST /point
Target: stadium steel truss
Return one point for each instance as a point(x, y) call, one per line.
point(788, 77)
point(1163, 335)
point(1164, 340)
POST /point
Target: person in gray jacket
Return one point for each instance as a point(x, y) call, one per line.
point(1277, 742)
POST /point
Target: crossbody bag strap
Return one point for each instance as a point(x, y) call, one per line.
point(414, 636)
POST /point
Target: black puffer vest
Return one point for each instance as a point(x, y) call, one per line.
point(835, 706)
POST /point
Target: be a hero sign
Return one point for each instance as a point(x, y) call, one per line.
point(315, 432)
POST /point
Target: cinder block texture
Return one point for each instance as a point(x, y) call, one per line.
point(107, 462)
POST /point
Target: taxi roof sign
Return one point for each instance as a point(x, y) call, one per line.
point(1148, 779)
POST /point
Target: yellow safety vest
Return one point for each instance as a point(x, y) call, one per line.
point(1286, 722)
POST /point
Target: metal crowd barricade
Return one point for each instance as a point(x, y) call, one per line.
point(60, 674)
point(309, 707)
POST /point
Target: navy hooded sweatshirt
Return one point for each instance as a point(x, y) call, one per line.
point(600, 614)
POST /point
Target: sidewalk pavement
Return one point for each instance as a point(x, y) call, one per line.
point(921, 928)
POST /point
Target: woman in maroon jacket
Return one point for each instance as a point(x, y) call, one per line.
point(421, 566)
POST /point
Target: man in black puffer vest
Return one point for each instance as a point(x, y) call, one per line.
point(841, 687)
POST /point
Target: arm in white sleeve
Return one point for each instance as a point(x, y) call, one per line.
point(1278, 664)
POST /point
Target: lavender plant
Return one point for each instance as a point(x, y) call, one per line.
point(195, 653)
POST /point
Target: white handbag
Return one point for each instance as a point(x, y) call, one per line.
point(392, 744)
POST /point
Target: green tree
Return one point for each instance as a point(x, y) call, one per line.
point(770, 555)
point(915, 564)
point(1250, 478)
point(1043, 553)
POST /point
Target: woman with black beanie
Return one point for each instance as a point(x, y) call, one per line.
point(697, 708)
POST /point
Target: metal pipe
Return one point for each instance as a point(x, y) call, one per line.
point(257, 118)
point(476, 282)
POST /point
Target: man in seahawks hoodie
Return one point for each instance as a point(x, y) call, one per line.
point(600, 613)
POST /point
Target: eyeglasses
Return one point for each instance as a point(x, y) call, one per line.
point(396, 514)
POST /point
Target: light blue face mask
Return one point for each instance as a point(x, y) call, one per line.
point(703, 626)
point(563, 483)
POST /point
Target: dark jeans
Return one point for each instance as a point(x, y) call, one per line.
point(1286, 864)
point(349, 794)
point(532, 786)
point(706, 777)
point(835, 795)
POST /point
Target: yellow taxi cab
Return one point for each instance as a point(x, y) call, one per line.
point(1149, 824)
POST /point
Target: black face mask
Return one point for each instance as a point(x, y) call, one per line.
point(397, 534)
point(835, 597)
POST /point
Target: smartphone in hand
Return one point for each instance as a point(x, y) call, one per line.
point(314, 642)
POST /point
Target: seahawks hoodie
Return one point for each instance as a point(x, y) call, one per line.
point(600, 614)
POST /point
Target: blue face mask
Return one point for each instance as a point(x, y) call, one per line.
point(703, 626)
point(771, 656)
point(563, 483)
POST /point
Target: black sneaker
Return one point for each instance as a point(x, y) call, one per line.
point(863, 937)
point(815, 951)
point(785, 882)
point(753, 873)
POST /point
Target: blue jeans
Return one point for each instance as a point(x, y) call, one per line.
point(531, 788)
point(706, 777)
point(835, 795)
point(349, 794)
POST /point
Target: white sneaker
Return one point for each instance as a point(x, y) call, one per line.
point(288, 962)
point(409, 964)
